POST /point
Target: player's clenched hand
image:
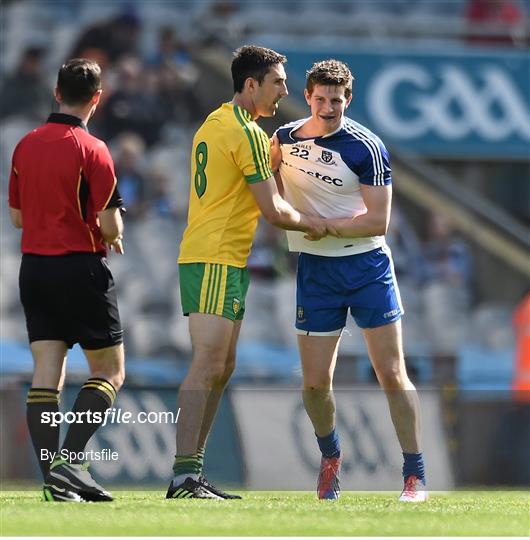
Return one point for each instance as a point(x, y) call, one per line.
point(316, 228)
point(276, 153)
point(332, 229)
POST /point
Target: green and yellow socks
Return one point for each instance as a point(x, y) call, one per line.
point(188, 466)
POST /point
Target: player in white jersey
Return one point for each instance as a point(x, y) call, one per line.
point(332, 166)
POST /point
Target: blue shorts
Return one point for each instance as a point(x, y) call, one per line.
point(328, 286)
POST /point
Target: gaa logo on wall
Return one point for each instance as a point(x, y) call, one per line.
point(408, 100)
point(438, 101)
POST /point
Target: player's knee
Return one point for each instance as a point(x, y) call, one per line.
point(321, 389)
point(392, 376)
point(215, 373)
point(320, 383)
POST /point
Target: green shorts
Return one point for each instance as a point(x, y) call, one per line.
point(213, 288)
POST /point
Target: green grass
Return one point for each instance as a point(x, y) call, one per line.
point(137, 513)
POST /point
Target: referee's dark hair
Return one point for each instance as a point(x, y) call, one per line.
point(253, 61)
point(78, 80)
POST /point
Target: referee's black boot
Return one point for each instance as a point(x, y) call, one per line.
point(75, 477)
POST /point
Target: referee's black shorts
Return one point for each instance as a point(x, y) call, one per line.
point(70, 298)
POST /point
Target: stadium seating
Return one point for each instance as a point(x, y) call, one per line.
point(147, 277)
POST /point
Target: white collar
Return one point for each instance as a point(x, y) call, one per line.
point(303, 121)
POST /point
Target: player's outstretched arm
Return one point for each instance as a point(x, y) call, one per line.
point(280, 213)
point(373, 222)
point(279, 183)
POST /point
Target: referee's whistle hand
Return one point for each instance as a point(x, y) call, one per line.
point(117, 246)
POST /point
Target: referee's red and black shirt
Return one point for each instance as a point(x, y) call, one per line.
point(61, 177)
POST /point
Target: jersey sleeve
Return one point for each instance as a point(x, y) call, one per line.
point(279, 133)
point(14, 194)
point(283, 132)
point(374, 169)
point(253, 156)
point(101, 179)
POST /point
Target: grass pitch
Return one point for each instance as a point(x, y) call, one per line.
point(147, 513)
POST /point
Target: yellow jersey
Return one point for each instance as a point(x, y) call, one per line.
point(229, 151)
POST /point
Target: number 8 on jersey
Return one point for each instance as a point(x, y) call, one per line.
point(201, 159)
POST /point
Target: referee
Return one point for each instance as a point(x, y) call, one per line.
point(63, 195)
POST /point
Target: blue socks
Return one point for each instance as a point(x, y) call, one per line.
point(329, 445)
point(413, 465)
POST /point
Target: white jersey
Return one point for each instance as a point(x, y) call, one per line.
point(322, 176)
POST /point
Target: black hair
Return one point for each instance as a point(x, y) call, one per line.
point(255, 62)
point(78, 80)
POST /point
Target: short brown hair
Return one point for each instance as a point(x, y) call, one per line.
point(255, 62)
point(78, 80)
point(330, 73)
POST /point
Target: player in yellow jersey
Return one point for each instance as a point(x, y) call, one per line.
point(231, 184)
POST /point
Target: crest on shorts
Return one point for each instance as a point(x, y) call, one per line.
point(236, 305)
point(300, 312)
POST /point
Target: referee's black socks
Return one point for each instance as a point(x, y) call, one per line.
point(44, 435)
point(96, 395)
